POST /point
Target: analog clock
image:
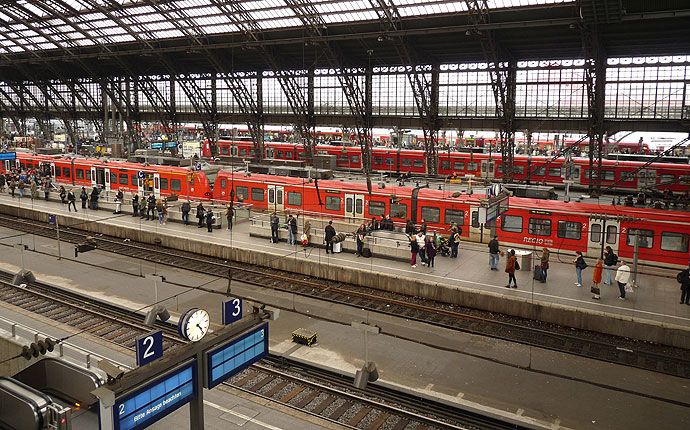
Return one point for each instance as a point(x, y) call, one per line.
point(194, 324)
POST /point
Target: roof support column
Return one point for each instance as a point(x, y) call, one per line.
point(595, 78)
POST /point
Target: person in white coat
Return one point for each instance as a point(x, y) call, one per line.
point(622, 277)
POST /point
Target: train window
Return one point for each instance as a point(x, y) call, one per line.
point(135, 182)
point(65, 172)
point(279, 154)
point(243, 152)
point(354, 158)
point(539, 226)
point(377, 160)
point(242, 193)
point(58, 172)
point(301, 155)
point(294, 198)
point(684, 180)
point(390, 161)
point(123, 179)
point(224, 150)
point(359, 206)
point(518, 170)
point(332, 203)
point(475, 219)
point(418, 163)
point(472, 167)
point(646, 237)
point(455, 215)
point(223, 183)
point(257, 194)
point(164, 183)
point(175, 185)
point(288, 155)
point(569, 230)
point(406, 162)
point(676, 242)
point(595, 233)
point(113, 178)
point(445, 164)
point(611, 234)
point(431, 214)
point(344, 158)
point(458, 165)
point(398, 210)
point(538, 170)
point(511, 223)
point(555, 172)
point(79, 173)
point(252, 152)
point(22, 165)
point(606, 175)
point(667, 179)
point(377, 208)
point(627, 176)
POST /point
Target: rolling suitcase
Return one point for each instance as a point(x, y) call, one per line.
point(366, 252)
point(537, 272)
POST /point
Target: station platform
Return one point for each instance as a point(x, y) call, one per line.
point(651, 313)
point(536, 388)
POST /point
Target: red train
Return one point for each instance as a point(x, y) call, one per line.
point(665, 236)
point(659, 176)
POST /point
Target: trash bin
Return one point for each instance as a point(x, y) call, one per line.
point(337, 247)
point(524, 258)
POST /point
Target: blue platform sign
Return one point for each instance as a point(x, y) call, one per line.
point(149, 347)
point(236, 355)
point(198, 166)
point(8, 156)
point(157, 145)
point(157, 399)
point(140, 174)
point(52, 219)
point(232, 311)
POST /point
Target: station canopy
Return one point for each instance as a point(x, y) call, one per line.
point(29, 25)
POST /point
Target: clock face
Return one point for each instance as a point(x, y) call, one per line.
point(195, 324)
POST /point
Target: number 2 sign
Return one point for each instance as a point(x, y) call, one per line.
point(149, 347)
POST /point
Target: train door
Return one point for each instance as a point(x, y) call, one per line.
point(140, 187)
point(488, 169)
point(476, 231)
point(157, 185)
point(269, 153)
point(106, 177)
point(646, 178)
point(94, 182)
point(275, 198)
point(354, 206)
point(52, 170)
point(601, 234)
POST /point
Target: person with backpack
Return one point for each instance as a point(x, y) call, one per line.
point(200, 211)
point(229, 213)
point(610, 261)
point(71, 198)
point(292, 229)
point(186, 208)
point(135, 205)
point(455, 235)
point(580, 265)
point(511, 266)
point(494, 252)
point(683, 279)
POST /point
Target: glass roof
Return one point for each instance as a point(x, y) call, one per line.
point(36, 25)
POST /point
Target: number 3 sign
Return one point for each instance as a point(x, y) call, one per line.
point(149, 347)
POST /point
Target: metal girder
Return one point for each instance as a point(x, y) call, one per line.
point(502, 74)
point(423, 80)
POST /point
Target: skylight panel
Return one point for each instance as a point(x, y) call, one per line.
point(200, 11)
point(281, 23)
point(262, 4)
point(47, 46)
point(141, 10)
point(33, 9)
point(169, 33)
point(219, 29)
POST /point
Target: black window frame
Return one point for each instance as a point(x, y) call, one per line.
point(241, 193)
point(431, 214)
point(123, 179)
point(646, 234)
point(175, 184)
point(451, 215)
point(291, 195)
point(257, 194)
point(395, 209)
point(683, 235)
point(381, 208)
point(563, 232)
point(329, 200)
point(164, 184)
point(535, 228)
point(66, 172)
point(504, 218)
point(79, 173)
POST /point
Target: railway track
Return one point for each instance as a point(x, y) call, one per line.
point(656, 358)
point(301, 387)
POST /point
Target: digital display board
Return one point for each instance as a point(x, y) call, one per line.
point(238, 354)
point(8, 156)
point(157, 399)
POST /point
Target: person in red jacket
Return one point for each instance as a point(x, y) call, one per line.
point(596, 278)
point(510, 268)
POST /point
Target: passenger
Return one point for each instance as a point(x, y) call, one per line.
point(374, 223)
point(21, 187)
point(135, 204)
point(580, 265)
point(596, 278)
point(161, 211)
point(94, 198)
point(275, 223)
point(209, 221)
point(229, 213)
point(46, 188)
point(292, 229)
point(2, 183)
point(683, 279)
point(510, 268)
point(409, 228)
point(414, 249)
point(71, 199)
point(622, 277)
point(456, 242)
point(430, 246)
point(84, 197)
point(63, 194)
point(34, 189)
point(421, 241)
point(329, 233)
point(185, 208)
point(544, 265)
point(306, 230)
point(493, 253)
point(151, 208)
point(200, 214)
point(359, 237)
point(610, 260)
point(422, 226)
point(13, 185)
point(118, 202)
